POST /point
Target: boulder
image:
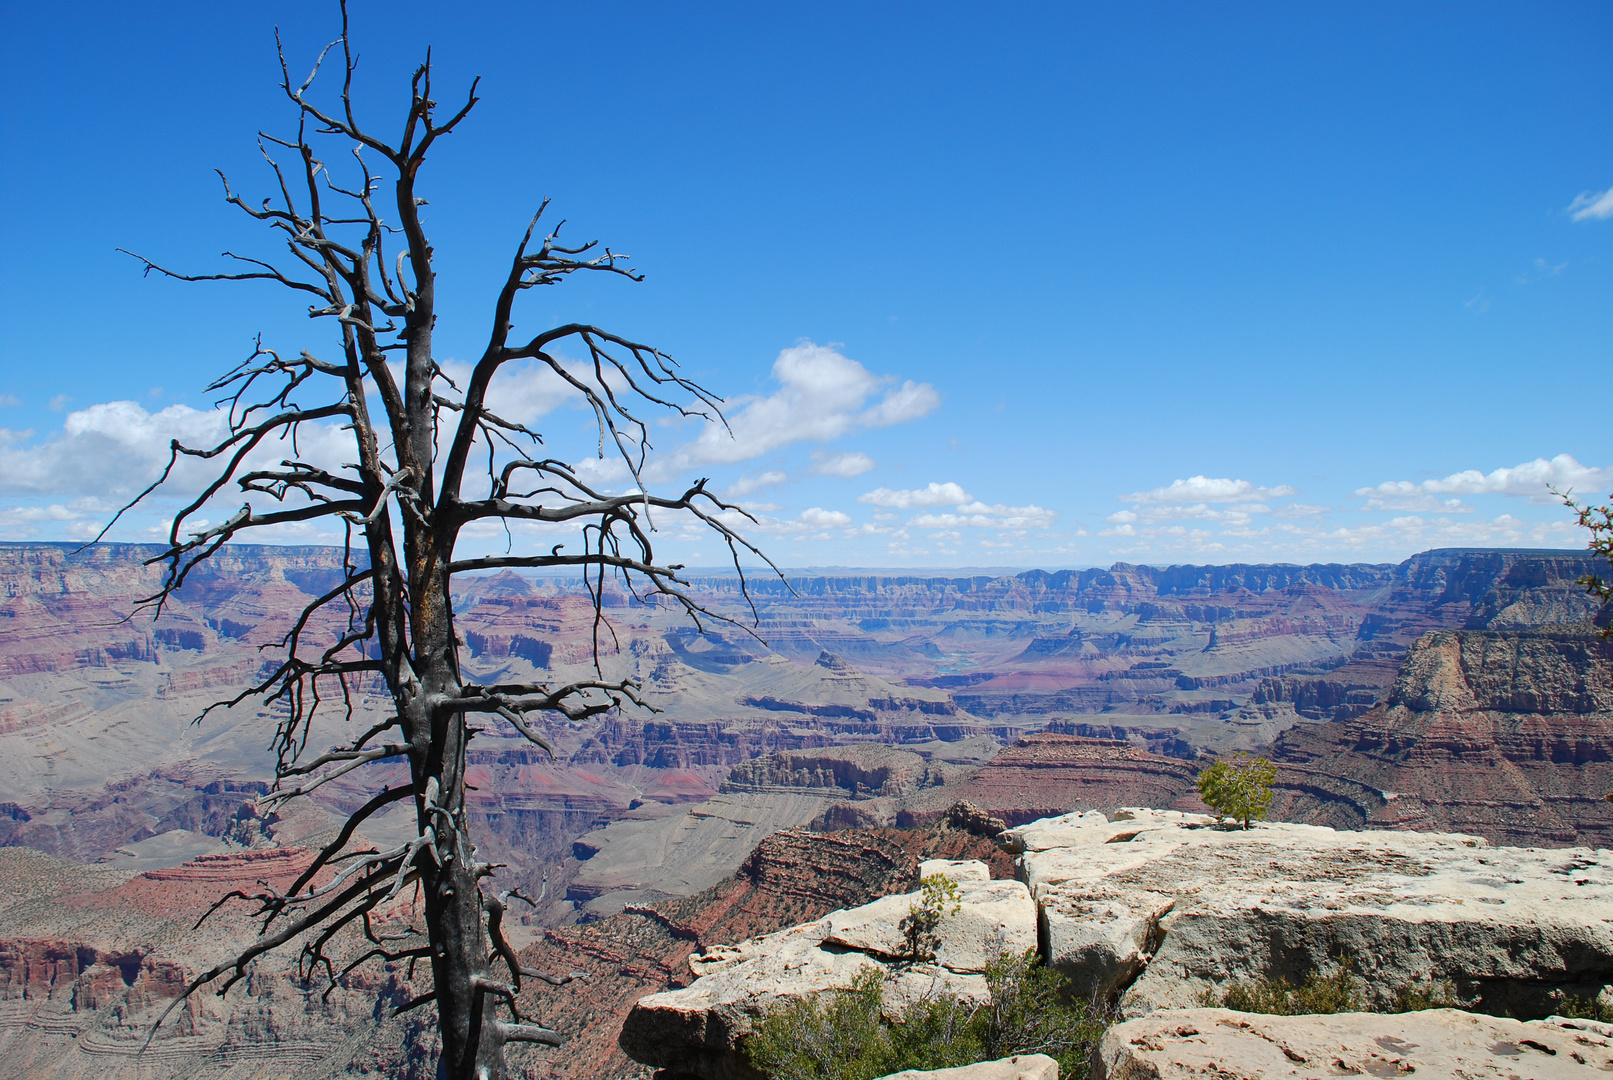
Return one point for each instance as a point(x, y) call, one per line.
point(1439, 1042)
point(1165, 906)
point(1018, 1067)
point(993, 917)
point(697, 1029)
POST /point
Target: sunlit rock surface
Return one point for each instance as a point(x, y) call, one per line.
point(1227, 1045)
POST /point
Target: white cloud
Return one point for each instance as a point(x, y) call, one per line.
point(1238, 514)
point(910, 401)
point(933, 494)
point(1592, 204)
point(845, 465)
point(816, 517)
point(601, 473)
point(1205, 489)
point(105, 454)
point(9, 401)
point(978, 515)
point(59, 402)
point(1529, 480)
point(1421, 503)
point(523, 391)
point(822, 395)
point(112, 449)
point(747, 484)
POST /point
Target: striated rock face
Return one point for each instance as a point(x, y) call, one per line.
point(1047, 775)
point(91, 956)
point(1439, 1042)
point(697, 1029)
point(1162, 907)
point(868, 770)
point(1504, 734)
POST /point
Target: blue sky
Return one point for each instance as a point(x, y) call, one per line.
point(1005, 285)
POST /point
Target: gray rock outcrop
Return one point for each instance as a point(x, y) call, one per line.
point(1161, 907)
point(1018, 1067)
point(1439, 1042)
point(697, 1029)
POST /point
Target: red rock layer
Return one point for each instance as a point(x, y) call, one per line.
point(1054, 774)
point(1508, 736)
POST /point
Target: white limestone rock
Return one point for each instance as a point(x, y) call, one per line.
point(1438, 1043)
point(1185, 907)
point(1018, 1067)
point(697, 1029)
point(994, 917)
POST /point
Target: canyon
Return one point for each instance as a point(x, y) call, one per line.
point(869, 723)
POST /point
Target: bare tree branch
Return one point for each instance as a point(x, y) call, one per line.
point(360, 251)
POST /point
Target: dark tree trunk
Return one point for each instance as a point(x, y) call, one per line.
point(399, 619)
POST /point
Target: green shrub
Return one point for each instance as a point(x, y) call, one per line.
point(841, 1036)
point(1338, 992)
point(1583, 1008)
point(1238, 787)
point(939, 1032)
point(1441, 995)
point(834, 1036)
point(1030, 1012)
point(1333, 993)
point(938, 898)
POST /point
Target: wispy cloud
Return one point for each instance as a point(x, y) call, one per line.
point(1588, 205)
point(948, 494)
point(979, 515)
point(822, 395)
point(845, 465)
point(1540, 271)
point(747, 484)
point(1205, 489)
point(1531, 480)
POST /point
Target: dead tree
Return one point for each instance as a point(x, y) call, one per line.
point(428, 459)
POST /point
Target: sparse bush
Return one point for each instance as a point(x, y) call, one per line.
point(841, 1036)
point(939, 1032)
point(834, 1036)
point(1030, 1012)
point(1238, 787)
point(1440, 995)
point(1339, 992)
point(1333, 993)
point(1584, 1008)
point(938, 898)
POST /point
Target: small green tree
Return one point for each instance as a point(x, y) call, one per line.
point(1238, 787)
point(938, 898)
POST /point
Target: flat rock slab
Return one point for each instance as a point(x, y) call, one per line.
point(1170, 907)
point(993, 917)
point(1018, 1067)
point(1437, 1043)
point(697, 1029)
